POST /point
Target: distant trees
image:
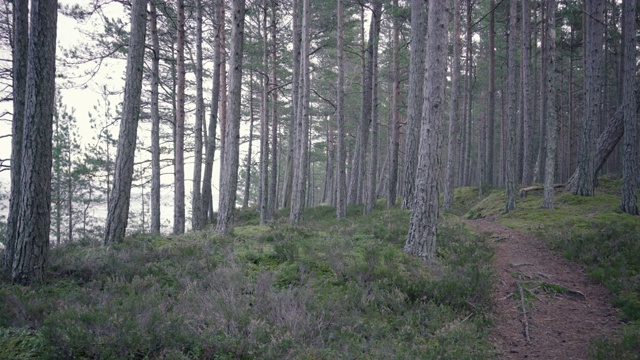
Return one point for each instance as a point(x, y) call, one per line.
point(339, 96)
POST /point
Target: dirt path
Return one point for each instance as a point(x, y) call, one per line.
point(560, 324)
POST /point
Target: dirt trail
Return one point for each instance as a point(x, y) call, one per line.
point(560, 324)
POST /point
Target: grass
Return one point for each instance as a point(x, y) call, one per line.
point(323, 290)
point(595, 233)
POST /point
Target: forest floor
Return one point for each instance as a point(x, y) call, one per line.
point(564, 308)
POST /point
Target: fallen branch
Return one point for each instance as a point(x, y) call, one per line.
point(523, 192)
point(525, 321)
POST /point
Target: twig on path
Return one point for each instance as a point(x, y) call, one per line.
point(525, 321)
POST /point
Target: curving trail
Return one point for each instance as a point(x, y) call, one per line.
point(565, 309)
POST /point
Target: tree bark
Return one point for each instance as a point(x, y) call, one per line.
point(207, 197)
point(395, 114)
point(552, 121)
point(527, 157)
point(196, 197)
point(421, 239)
point(247, 162)
point(593, 57)
point(264, 123)
point(630, 160)
point(118, 212)
point(155, 120)
point(20, 59)
point(453, 144)
point(511, 103)
point(414, 101)
point(273, 189)
point(229, 171)
point(295, 96)
point(356, 183)
point(372, 196)
point(178, 151)
point(492, 97)
point(300, 160)
point(341, 193)
point(33, 221)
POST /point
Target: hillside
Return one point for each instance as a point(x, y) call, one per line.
point(326, 289)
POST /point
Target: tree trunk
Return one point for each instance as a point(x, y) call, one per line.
point(527, 157)
point(155, 120)
point(511, 101)
point(593, 57)
point(178, 151)
point(229, 171)
point(300, 160)
point(414, 101)
point(295, 96)
point(33, 221)
point(196, 198)
point(453, 145)
point(20, 56)
point(492, 97)
point(395, 114)
point(630, 155)
point(207, 198)
point(273, 189)
point(421, 239)
point(341, 193)
point(373, 154)
point(264, 123)
point(247, 163)
point(552, 121)
point(542, 114)
point(118, 212)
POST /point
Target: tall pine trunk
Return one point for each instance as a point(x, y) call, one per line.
point(118, 212)
point(511, 103)
point(341, 193)
point(155, 120)
point(552, 121)
point(20, 56)
point(210, 148)
point(414, 101)
point(593, 57)
point(196, 197)
point(395, 114)
point(273, 189)
point(178, 151)
point(264, 122)
point(527, 156)
point(33, 220)
point(230, 162)
point(630, 155)
point(423, 229)
point(300, 160)
point(453, 145)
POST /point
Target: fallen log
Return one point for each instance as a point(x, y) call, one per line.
point(524, 191)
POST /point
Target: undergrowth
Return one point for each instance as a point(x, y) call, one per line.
point(326, 289)
point(595, 233)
